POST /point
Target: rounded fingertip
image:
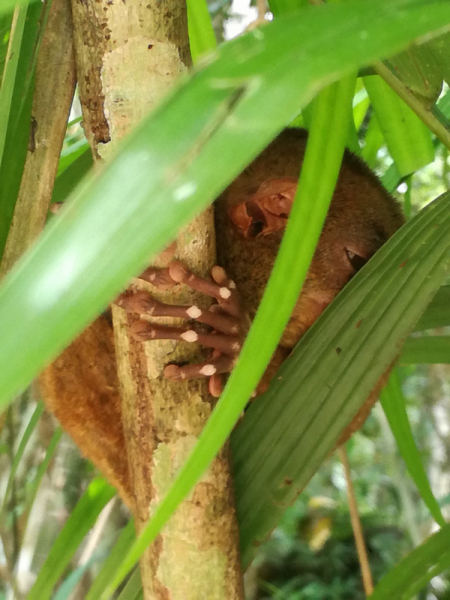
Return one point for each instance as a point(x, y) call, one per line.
point(215, 386)
point(178, 271)
point(172, 372)
point(218, 274)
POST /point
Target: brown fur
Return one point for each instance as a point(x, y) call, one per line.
point(81, 386)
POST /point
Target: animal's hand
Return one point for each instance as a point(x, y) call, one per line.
point(225, 317)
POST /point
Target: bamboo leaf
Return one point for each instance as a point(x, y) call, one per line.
point(393, 403)
point(15, 119)
point(407, 138)
point(121, 547)
point(9, 73)
point(372, 142)
point(440, 48)
point(20, 450)
point(285, 7)
point(83, 517)
point(67, 181)
point(438, 312)
point(416, 569)
point(426, 350)
point(201, 33)
point(9, 5)
point(32, 489)
point(419, 70)
point(133, 588)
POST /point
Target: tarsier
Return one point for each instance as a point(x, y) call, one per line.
point(81, 387)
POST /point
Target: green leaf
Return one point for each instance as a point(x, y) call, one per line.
point(332, 371)
point(33, 488)
point(426, 350)
point(440, 48)
point(420, 71)
point(70, 155)
point(393, 403)
point(407, 138)
point(372, 142)
point(201, 33)
point(438, 312)
point(417, 569)
point(87, 255)
point(16, 119)
point(121, 547)
point(133, 588)
point(83, 517)
point(360, 105)
point(69, 585)
point(67, 181)
point(20, 450)
point(285, 7)
point(9, 73)
point(5, 32)
point(7, 6)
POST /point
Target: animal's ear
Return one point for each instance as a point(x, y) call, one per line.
point(357, 258)
point(267, 210)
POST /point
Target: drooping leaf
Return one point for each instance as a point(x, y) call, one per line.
point(393, 403)
point(417, 569)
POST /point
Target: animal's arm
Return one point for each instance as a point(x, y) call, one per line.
point(81, 386)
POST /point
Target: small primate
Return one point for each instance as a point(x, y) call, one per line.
point(81, 387)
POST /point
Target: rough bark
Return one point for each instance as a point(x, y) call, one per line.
point(55, 83)
point(128, 56)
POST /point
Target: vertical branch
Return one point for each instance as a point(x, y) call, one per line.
point(53, 93)
point(128, 56)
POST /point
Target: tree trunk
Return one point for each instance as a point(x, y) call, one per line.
point(128, 56)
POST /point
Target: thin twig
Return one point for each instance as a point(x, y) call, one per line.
point(356, 525)
point(261, 7)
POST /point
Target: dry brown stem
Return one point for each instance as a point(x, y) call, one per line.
point(356, 525)
point(55, 83)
